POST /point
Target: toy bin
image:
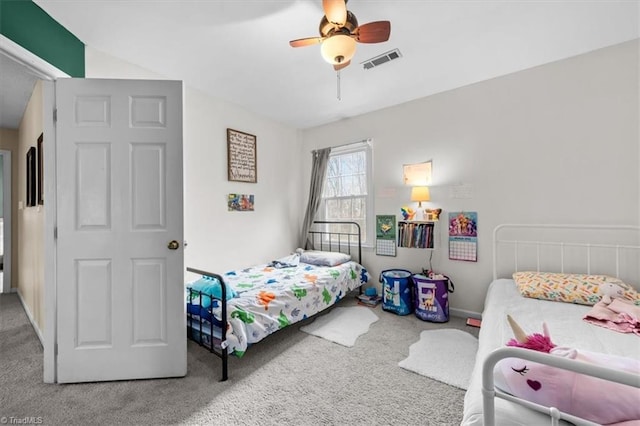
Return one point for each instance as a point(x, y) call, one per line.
point(397, 288)
point(431, 299)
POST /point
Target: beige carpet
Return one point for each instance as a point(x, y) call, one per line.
point(291, 378)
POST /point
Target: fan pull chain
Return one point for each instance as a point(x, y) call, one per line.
point(338, 85)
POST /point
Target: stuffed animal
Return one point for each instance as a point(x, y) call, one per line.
point(590, 398)
point(610, 291)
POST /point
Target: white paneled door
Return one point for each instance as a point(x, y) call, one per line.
point(119, 257)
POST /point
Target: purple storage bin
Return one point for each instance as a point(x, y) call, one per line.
point(431, 298)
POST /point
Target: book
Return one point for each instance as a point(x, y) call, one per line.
point(474, 322)
point(365, 300)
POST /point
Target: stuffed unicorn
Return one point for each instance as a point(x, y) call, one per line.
point(591, 398)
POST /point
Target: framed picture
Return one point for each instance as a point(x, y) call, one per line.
point(40, 153)
point(241, 156)
point(432, 215)
point(31, 177)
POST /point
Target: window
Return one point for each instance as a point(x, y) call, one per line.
point(348, 194)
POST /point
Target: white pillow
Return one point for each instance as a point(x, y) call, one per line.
point(324, 258)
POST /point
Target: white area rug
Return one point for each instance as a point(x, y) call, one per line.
point(446, 355)
point(342, 325)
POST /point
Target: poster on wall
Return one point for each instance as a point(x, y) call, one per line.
point(385, 235)
point(240, 202)
point(463, 236)
point(418, 174)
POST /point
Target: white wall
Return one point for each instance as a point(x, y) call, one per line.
point(219, 240)
point(553, 144)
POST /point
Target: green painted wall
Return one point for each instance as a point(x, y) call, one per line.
point(26, 24)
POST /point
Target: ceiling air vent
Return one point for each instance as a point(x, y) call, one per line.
point(381, 59)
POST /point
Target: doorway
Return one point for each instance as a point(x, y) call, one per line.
point(5, 221)
point(35, 67)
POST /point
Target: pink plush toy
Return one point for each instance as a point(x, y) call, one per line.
point(610, 291)
point(584, 396)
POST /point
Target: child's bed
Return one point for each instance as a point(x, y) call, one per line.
point(260, 300)
point(613, 251)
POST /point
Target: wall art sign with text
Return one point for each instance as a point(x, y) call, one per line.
point(242, 162)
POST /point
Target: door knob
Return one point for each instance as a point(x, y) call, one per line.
point(173, 245)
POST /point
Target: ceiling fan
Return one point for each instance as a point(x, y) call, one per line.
point(339, 32)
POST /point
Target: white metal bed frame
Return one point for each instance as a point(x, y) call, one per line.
point(517, 243)
point(489, 392)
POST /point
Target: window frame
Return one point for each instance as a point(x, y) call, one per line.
point(365, 146)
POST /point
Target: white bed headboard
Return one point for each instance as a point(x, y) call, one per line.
point(593, 249)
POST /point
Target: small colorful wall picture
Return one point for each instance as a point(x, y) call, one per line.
point(386, 227)
point(240, 202)
point(386, 235)
point(463, 236)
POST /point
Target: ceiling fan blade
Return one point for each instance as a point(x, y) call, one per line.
point(335, 11)
point(301, 42)
point(338, 67)
point(373, 32)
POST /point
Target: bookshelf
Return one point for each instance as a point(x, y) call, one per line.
point(416, 234)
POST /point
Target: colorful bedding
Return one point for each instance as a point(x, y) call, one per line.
point(270, 298)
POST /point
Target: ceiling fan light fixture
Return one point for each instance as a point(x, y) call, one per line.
point(338, 49)
point(335, 11)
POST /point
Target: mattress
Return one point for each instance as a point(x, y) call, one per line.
point(566, 328)
point(272, 298)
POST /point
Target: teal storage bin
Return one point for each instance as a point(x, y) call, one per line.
point(397, 291)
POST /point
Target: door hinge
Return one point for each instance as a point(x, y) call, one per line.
point(55, 115)
point(55, 349)
point(55, 232)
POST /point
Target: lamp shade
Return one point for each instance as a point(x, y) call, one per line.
point(420, 194)
point(338, 49)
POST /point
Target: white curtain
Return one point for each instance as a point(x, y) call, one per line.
point(318, 175)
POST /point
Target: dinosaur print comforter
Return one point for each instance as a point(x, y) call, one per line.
point(270, 298)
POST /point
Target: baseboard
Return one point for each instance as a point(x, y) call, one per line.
point(31, 319)
point(462, 313)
